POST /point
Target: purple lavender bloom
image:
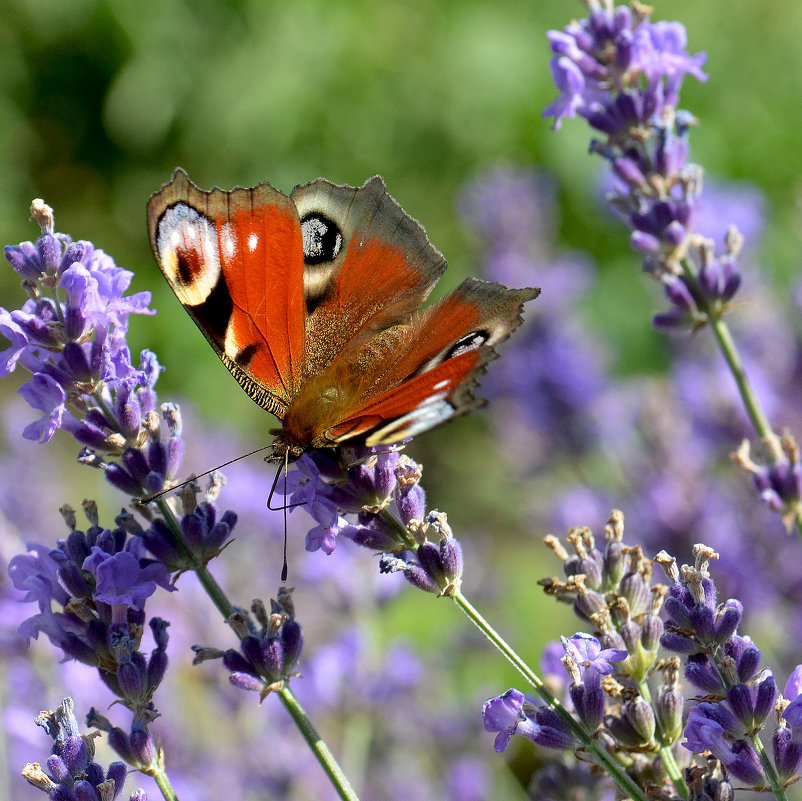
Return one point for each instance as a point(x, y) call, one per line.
point(204, 535)
point(623, 74)
point(98, 581)
point(592, 660)
point(72, 774)
point(710, 727)
point(120, 581)
point(787, 740)
point(616, 49)
point(84, 379)
point(587, 663)
point(380, 488)
point(268, 651)
point(329, 524)
point(506, 715)
point(45, 394)
point(696, 623)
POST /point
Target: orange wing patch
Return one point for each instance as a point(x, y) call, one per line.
point(263, 267)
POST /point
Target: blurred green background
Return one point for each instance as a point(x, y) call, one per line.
point(100, 101)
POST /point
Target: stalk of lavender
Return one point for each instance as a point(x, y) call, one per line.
point(383, 491)
point(71, 335)
point(623, 74)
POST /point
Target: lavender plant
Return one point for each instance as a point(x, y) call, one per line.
point(622, 74)
point(91, 590)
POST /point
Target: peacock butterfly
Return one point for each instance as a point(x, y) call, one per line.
point(312, 301)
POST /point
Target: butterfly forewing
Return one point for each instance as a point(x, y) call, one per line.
point(382, 266)
point(235, 261)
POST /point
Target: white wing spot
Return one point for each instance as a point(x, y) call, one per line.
point(441, 384)
point(228, 241)
point(253, 242)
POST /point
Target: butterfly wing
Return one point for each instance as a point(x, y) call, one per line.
point(433, 372)
point(411, 377)
point(235, 260)
point(369, 265)
point(311, 302)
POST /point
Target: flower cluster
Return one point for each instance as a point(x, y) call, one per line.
point(612, 693)
point(71, 335)
point(611, 590)
point(725, 667)
point(99, 581)
point(382, 488)
point(623, 74)
point(270, 645)
point(72, 773)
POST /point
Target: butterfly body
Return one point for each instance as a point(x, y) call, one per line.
point(312, 301)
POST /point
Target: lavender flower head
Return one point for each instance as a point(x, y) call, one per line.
point(270, 646)
point(382, 490)
point(71, 336)
point(72, 774)
point(623, 74)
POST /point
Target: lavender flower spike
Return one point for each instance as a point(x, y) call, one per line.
point(72, 772)
point(623, 74)
point(70, 334)
point(270, 646)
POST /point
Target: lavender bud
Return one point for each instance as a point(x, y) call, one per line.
point(143, 746)
point(787, 753)
point(669, 706)
point(651, 632)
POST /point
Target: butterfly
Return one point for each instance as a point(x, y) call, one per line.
point(312, 301)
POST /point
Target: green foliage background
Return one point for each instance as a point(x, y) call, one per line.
point(99, 101)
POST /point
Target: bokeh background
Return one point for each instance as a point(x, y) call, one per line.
point(100, 101)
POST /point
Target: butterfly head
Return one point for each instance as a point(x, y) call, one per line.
point(283, 450)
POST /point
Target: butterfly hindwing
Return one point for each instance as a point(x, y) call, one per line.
point(428, 374)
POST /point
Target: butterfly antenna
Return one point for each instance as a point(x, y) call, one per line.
point(281, 471)
point(156, 495)
point(284, 568)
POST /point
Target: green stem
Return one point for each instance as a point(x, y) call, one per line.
point(665, 751)
point(317, 744)
point(207, 580)
point(162, 780)
point(600, 756)
point(297, 712)
point(768, 769)
point(750, 400)
point(729, 350)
